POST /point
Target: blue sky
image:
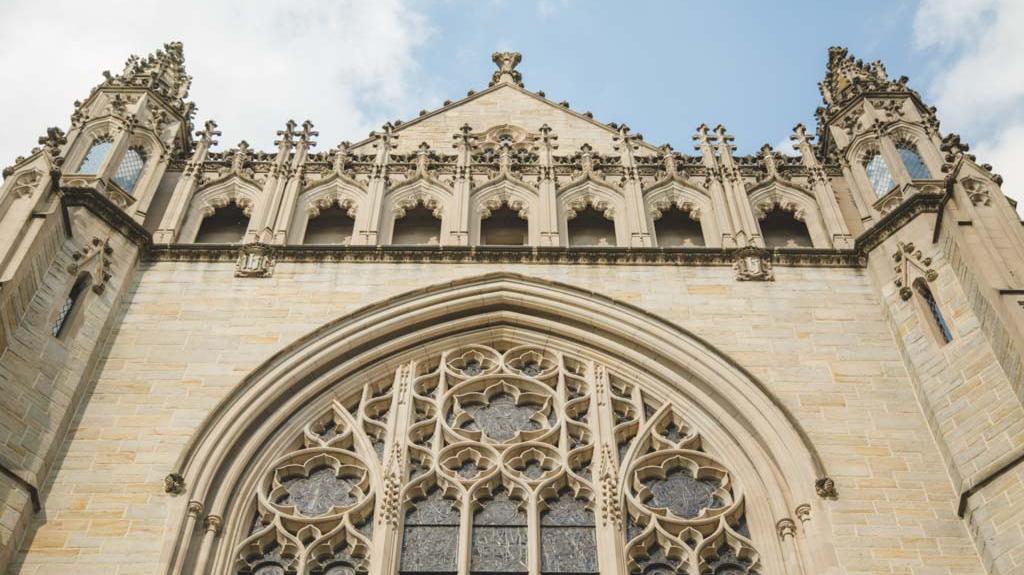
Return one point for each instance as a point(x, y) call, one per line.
point(665, 67)
point(661, 67)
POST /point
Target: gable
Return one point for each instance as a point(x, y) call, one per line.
point(503, 104)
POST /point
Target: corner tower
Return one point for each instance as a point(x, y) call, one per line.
point(945, 249)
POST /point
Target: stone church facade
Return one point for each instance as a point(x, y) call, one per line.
point(506, 337)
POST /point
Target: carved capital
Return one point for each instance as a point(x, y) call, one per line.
point(786, 527)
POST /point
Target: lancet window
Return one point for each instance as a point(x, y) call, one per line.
point(913, 162)
point(130, 169)
point(878, 174)
point(941, 328)
point(498, 458)
point(93, 160)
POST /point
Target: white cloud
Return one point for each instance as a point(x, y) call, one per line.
point(978, 52)
point(345, 65)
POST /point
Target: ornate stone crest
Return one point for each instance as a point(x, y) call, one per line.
point(753, 264)
point(255, 261)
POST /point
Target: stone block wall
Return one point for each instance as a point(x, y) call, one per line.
point(816, 337)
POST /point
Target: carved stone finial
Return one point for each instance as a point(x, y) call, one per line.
point(174, 484)
point(308, 133)
point(341, 155)
point(52, 142)
point(507, 62)
point(826, 488)
point(770, 162)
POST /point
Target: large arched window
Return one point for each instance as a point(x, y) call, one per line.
point(878, 174)
point(128, 171)
point(675, 228)
point(913, 162)
point(93, 160)
point(502, 450)
point(330, 225)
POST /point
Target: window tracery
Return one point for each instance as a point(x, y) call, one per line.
point(501, 458)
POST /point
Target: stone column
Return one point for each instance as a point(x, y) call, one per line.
point(747, 231)
point(293, 187)
point(367, 235)
point(825, 196)
point(262, 221)
point(547, 214)
point(636, 220)
point(724, 212)
point(174, 217)
point(458, 228)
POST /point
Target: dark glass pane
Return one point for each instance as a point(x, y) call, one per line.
point(681, 494)
point(500, 419)
point(318, 493)
point(568, 541)
point(499, 536)
point(430, 539)
point(912, 160)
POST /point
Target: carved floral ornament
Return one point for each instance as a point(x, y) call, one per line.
point(524, 455)
point(94, 257)
point(910, 261)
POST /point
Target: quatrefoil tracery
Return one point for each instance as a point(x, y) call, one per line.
point(498, 433)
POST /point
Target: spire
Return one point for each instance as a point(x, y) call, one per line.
point(507, 62)
point(847, 77)
point(162, 71)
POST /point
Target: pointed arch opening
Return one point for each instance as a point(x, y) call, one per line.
point(518, 406)
point(333, 224)
point(417, 225)
point(782, 228)
point(225, 225)
point(97, 153)
point(591, 227)
point(503, 226)
point(676, 227)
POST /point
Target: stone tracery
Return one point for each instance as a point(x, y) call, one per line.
point(498, 458)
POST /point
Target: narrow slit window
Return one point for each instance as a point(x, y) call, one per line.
point(932, 306)
point(71, 304)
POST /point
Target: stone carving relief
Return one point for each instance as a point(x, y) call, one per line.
point(753, 264)
point(94, 257)
point(492, 459)
point(910, 260)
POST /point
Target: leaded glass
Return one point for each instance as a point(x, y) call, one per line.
point(131, 166)
point(681, 494)
point(66, 309)
point(318, 493)
point(879, 175)
point(933, 308)
point(499, 536)
point(568, 541)
point(94, 157)
point(431, 535)
point(913, 162)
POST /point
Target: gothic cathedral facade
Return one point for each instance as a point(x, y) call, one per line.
point(506, 337)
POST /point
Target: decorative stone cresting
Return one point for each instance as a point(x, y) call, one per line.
point(908, 258)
